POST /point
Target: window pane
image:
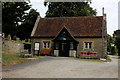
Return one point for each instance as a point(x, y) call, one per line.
point(48, 45)
point(44, 44)
point(90, 45)
point(86, 45)
point(36, 46)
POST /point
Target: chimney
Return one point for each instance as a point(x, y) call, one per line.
point(103, 10)
point(104, 34)
point(103, 13)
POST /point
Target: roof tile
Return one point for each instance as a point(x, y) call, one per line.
point(77, 26)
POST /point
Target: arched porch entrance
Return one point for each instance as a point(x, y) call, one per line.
point(64, 43)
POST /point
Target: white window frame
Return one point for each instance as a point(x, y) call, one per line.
point(88, 45)
point(37, 46)
point(47, 42)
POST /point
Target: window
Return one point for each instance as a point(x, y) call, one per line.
point(37, 46)
point(88, 45)
point(71, 45)
point(46, 44)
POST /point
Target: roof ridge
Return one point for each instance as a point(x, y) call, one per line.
point(69, 17)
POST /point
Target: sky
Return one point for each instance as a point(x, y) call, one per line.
point(110, 8)
point(119, 16)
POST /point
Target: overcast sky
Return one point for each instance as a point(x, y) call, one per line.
point(111, 9)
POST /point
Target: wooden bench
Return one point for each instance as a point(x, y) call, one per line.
point(25, 54)
point(88, 55)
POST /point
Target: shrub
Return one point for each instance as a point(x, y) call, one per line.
point(114, 50)
point(54, 55)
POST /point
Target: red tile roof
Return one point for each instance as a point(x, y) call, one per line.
point(77, 26)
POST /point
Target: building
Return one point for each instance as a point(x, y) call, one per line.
point(83, 36)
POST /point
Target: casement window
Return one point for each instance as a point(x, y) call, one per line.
point(46, 44)
point(88, 45)
point(37, 45)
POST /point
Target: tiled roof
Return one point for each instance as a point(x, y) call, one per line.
point(77, 26)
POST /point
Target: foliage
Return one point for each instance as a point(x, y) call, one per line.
point(18, 19)
point(26, 27)
point(14, 37)
point(54, 55)
point(22, 42)
point(114, 50)
point(108, 59)
point(13, 13)
point(69, 9)
point(110, 40)
point(117, 40)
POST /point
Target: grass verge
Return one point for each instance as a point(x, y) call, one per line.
point(22, 42)
point(96, 60)
point(108, 59)
point(11, 58)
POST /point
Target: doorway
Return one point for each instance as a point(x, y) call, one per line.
point(64, 49)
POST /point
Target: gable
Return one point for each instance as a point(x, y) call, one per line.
point(90, 26)
point(64, 35)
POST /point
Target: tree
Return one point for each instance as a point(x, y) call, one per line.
point(117, 40)
point(69, 9)
point(18, 19)
point(27, 25)
point(114, 50)
point(13, 13)
point(110, 40)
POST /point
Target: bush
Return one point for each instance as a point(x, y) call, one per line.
point(114, 50)
point(54, 55)
point(14, 37)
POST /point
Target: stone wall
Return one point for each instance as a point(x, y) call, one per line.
point(40, 41)
point(97, 45)
point(12, 46)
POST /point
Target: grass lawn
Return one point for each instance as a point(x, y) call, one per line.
point(11, 58)
point(22, 42)
point(98, 60)
point(108, 59)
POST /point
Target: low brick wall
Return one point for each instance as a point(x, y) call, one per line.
point(12, 46)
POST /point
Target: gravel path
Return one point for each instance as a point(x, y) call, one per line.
point(64, 67)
